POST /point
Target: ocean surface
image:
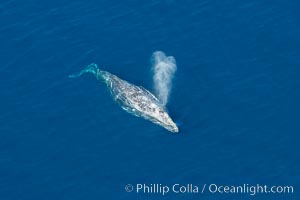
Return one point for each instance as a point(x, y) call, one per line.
point(235, 98)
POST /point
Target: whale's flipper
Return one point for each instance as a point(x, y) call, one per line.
point(91, 68)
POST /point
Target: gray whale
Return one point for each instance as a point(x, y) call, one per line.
point(133, 99)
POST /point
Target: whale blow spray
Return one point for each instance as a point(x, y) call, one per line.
point(164, 68)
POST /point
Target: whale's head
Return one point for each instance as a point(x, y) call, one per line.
point(162, 118)
point(171, 126)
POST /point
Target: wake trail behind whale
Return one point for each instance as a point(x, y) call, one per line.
point(164, 68)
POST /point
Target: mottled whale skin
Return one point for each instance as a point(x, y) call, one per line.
point(133, 99)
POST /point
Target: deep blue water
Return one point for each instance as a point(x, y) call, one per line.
point(235, 96)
